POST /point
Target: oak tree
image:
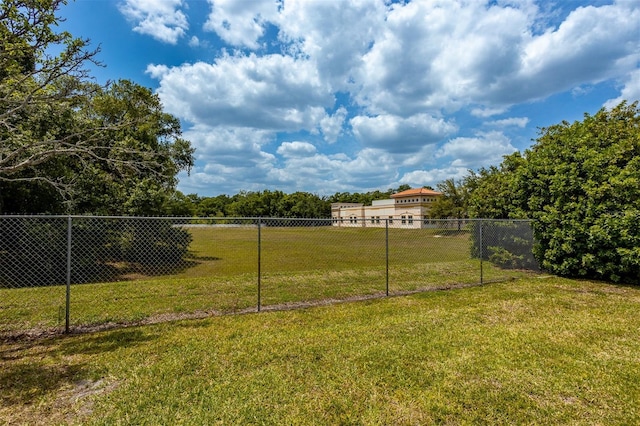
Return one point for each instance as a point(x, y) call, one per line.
point(61, 131)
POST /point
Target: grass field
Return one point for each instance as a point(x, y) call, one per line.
point(531, 351)
point(297, 265)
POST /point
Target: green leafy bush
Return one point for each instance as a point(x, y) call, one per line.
point(580, 183)
point(582, 187)
point(505, 243)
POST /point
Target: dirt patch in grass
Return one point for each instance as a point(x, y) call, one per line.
point(77, 401)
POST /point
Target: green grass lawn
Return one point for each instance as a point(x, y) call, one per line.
point(530, 351)
point(297, 265)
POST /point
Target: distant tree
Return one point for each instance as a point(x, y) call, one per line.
point(453, 203)
point(214, 206)
point(304, 205)
point(365, 198)
point(255, 204)
point(278, 204)
point(180, 205)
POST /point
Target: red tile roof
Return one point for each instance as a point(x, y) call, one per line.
point(415, 191)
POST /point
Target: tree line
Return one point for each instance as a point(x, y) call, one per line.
point(268, 203)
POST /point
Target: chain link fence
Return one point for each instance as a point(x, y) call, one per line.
point(73, 272)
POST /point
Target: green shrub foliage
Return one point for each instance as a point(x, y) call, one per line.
point(580, 182)
point(582, 186)
point(504, 243)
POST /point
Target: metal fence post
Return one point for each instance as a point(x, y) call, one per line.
point(481, 255)
point(68, 292)
point(259, 260)
point(387, 252)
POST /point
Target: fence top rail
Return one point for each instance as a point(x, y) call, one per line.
point(245, 218)
point(191, 218)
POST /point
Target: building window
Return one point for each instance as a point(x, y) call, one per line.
point(377, 219)
point(410, 220)
point(373, 219)
point(390, 220)
point(404, 219)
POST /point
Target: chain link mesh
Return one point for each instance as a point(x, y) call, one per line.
point(33, 272)
point(310, 260)
point(129, 270)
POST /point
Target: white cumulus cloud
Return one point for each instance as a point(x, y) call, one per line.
point(397, 134)
point(509, 122)
point(630, 92)
point(473, 152)
point(296, 149)
point(162, 20)
point(241, 22)
point(331, 125)
point(263, 92)
point(321, 93)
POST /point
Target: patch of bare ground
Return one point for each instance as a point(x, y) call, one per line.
point(77, 402)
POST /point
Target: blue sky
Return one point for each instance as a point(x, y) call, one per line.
point(329, 96)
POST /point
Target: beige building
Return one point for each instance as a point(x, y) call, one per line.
point(406, 209)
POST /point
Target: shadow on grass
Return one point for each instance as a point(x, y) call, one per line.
point(200, 259)
point(26, 381)
point(47, 369)
point(100, 272)
point(34, 369)
point(106, 342)
point(131, 270)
